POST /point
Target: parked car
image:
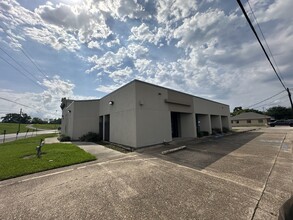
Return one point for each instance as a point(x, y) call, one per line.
point(281, 122)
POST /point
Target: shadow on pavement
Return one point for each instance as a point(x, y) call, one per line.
point(202, 153)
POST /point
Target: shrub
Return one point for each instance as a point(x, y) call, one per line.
point(216, 131)
point(63, 138)
point(202, 133)
point(225, 130)
point(90, 137)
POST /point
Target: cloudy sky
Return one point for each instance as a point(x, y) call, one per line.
point(86, 49)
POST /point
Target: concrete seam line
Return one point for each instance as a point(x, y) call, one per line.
point(49, 174)
point(113, 160)
point(173, 150)
point(204, 172)
point(267, 179)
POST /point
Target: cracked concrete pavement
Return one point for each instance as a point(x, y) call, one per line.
point(244, 176)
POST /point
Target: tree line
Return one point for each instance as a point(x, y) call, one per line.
point(277, 112)
point(26, 119)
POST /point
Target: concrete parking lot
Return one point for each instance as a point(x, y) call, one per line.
point(243, 176)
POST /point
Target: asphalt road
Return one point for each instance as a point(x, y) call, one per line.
point(244, 176)
point(12, 137)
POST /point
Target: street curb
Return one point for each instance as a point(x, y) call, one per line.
point(173, 150)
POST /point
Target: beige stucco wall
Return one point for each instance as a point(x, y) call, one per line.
point(205, 123)
point(184, 102)
point(188, 127)
point(141, 115)
point(67, 121)
point(254, 122)
point(153, 119)
point(216, 122)
point(86, 118)
point(122, 115)
point(218, 113)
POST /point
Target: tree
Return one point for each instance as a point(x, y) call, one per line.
point(37, 120)
point(55, 121)
point(16, 118)
point(239, 110)
point(280, 112)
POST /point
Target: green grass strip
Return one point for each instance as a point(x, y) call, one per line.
point(11, 128)
point(46, 126)
point(18, 158)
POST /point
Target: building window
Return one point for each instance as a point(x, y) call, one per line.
point(248, 121)
point(260, 121)
point(237, 122)
point(231, 121)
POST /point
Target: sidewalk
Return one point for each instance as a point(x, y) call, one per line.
point(100, 152)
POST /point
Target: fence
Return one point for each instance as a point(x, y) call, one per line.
point(17, 135)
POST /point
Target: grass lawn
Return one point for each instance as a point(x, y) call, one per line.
point(18, 158)
point(12, 128)
point(46, 126)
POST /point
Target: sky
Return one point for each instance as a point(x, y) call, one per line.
point(86, 49)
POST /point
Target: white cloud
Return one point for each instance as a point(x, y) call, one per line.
point(204, 48)
point(45, 104)
point(142, 33)
point(175, 10)
point(123, 9)
point(112, 60)
point(108, 88)
point(57, 39)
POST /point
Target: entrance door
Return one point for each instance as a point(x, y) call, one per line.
point(197, 123)
point(175, 124)
point(101, 126)
point(107, 128)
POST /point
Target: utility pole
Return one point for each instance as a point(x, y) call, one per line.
point(20, 112)
point(289, 94)
point(252, 28)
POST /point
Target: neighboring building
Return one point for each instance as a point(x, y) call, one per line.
point(141, 114)
point(250, 119)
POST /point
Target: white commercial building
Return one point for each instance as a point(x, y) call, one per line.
point(141, 114)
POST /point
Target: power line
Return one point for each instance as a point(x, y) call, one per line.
point(266, 99)
point(33, 62)
point(26, 54)
point(18, 63)
point(20, 72)
point(265, 41)
point(21, 104)
point(17, 103)
point(272, 102)
point(267, 56)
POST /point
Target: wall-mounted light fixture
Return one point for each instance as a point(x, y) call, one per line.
point(111, 103)
point(69, 111)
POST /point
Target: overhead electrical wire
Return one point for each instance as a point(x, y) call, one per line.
point(33, 62)
point(266, 42)
point(267, 99)
point(266, 54)
point(21, 104)
point(20, 65)
point(8, 100)
point(26, 54)
point(272, 102)
point(20, 72)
